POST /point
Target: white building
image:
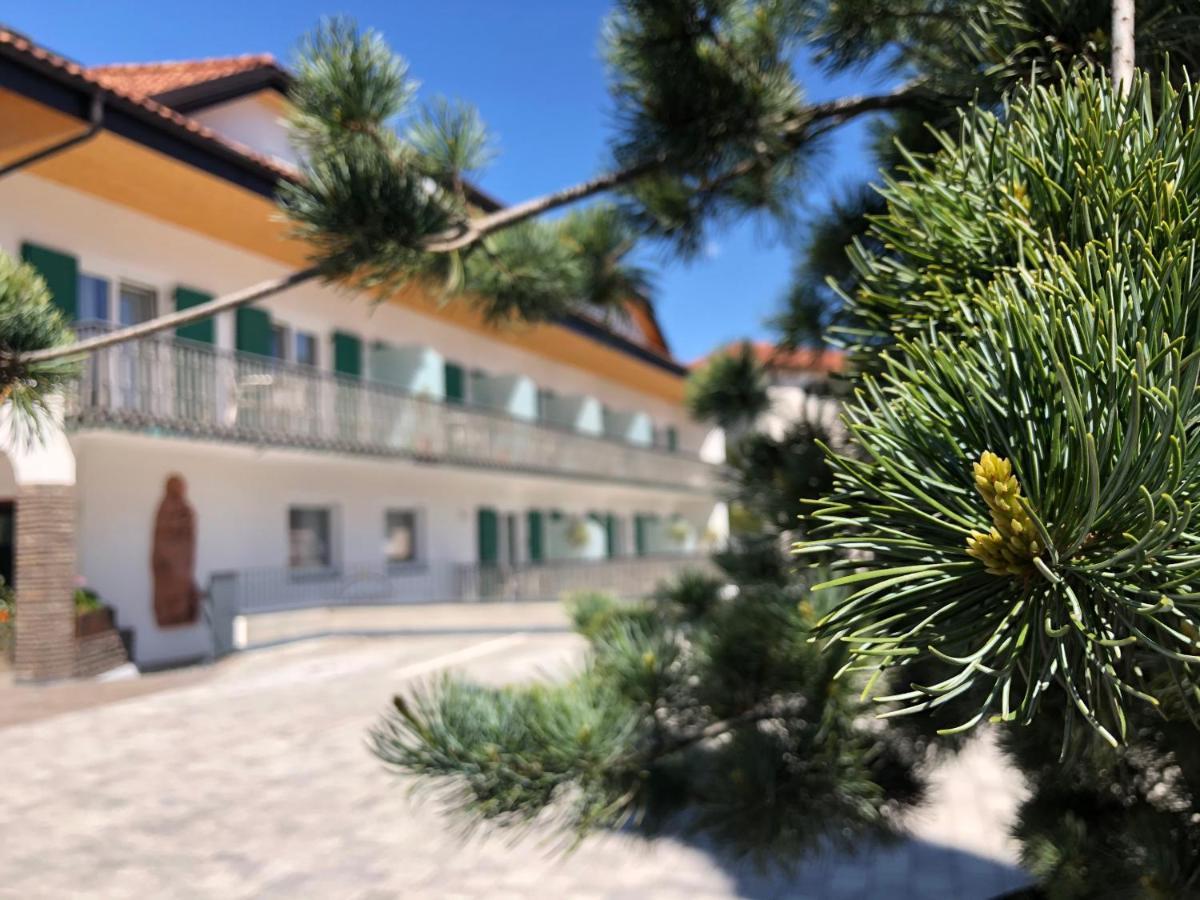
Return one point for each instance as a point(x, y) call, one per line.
point(802, 386)
point(334, 450)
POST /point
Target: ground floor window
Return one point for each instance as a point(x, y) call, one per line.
point(310, 537)
point(400, 533)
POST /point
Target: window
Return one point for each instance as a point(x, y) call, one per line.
point(545, 398)
point(400, 531)
point(477, 387)
point(93, 298)
point(135, 305)
point(279, 341)
point(306, 348)
point(310, 537)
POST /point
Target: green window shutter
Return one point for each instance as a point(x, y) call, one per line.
point(639, 534)
point(610, 535)
point(456, 383)
point(253, 331)
point(202, 331)
point(489, 536)
point(347, 354)
point(672, 438)
point(61, 274)
point(533, 520)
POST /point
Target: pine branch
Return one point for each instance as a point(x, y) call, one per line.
point(176, 319)
point(793, 130)
point(836, 111)
point(773, 709)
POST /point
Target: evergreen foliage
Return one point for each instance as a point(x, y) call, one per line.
point(774, 479)
point(729, 389)
point(1111, 823)
point(1073, 354)
point(29, 321)
point(372, 199)
point(693, 710)
point(968, 52)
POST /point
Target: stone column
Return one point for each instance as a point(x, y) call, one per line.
point(45, 580)
point(44, 563)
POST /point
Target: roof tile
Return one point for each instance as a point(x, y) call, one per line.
point(155, 78)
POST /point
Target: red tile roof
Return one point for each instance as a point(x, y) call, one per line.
point(154, 78)
point(168, 115)
point(803, 359)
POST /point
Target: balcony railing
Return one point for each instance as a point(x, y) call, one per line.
point(184, 388)
point(264, 593)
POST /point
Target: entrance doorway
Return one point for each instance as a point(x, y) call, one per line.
point(7, 541)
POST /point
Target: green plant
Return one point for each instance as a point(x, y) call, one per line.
point(975, 53)
point(693, 593)
point(7, 620)
point(716, 715)
point(1065, 295)
point(772, 480)
point(730, 389)
point(87, 601)
point(29, 321)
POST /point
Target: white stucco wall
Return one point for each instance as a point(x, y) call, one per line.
point(255, 121)
point(241, 497)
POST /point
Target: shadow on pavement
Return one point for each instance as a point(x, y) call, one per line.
point(910, 869)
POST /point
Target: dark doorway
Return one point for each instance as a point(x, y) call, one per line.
point(7, 541)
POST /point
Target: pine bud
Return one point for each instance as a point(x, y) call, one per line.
point(1011, 545)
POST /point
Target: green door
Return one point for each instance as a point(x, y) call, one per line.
point(253, 331)
point(195, 383)
point(456, 383)
point(347, 354)
point(533, 526)
point(489, 536)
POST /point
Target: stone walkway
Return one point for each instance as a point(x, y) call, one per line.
point(252, 779)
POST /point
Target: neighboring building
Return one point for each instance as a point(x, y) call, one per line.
point(330, 446)
point(802, 385)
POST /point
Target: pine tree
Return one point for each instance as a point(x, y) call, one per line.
point(693, 710)
point(1020, 501)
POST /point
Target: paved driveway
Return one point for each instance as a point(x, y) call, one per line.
point(252, 779)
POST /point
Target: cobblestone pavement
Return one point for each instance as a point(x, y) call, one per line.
point(252, 779)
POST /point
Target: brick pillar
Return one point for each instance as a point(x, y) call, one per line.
point(45, 582)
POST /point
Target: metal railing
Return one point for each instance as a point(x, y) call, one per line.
point(190, 389)
point(263, 591)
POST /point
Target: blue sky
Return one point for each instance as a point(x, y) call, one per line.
point(535, 71)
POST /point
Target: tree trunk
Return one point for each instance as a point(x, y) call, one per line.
point(1122, 44)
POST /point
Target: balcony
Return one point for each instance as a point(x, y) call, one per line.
point(180, 388)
